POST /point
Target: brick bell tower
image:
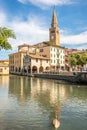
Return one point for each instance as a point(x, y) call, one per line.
point(54, 30)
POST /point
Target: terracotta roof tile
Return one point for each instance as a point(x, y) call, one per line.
point(36, 56)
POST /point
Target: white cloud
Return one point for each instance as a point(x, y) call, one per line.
point(2, 18)
point(34, 31)
point(30, 31)
point(73, 39)
point(43, 3)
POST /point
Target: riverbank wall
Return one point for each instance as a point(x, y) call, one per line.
point(73, 77)
point(69, 78)
point(78, 78)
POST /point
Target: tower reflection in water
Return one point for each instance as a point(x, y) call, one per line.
point(48, 95)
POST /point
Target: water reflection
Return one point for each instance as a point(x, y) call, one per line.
point(4, 80)
point(23, 87)
point(32, 103)
point(46, 93)
point(19, 87)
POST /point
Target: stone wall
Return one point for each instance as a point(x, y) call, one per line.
point(70, 78)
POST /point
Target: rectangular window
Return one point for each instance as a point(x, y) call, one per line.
point(1, 70)
point(52, 31)
point(36, 60)
point(57, 55)
point(51, 61)
point(41, 50)
point(41, 61)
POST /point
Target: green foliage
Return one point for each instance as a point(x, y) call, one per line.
point(78, 59)
point(72, 60)
point(84, 58)
point(6, 33)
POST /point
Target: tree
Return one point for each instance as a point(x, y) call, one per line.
point(5, 34)
point(78, 59)
point(73, 60)
point(83, 59)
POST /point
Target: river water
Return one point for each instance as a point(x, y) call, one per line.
point(31, 104)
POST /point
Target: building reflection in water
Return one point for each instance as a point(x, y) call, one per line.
point(25, 87)
point(4, 81)
point(20, 87)
point(31, 102)
point(46, 93)
point(50, 94)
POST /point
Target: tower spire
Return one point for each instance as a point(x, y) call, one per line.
point(54, 19)
point(54, 30)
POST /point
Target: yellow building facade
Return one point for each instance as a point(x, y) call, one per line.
point(4, 67)
point(16, 62)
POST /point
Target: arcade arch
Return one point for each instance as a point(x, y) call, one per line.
point(34, 69)
point(41, 69)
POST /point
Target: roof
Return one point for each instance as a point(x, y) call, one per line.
point(3, 65)
point(42, 44)
point(58, 46)
point(18, 52)
point(36, 56)
point(55, 46)
point(23, 45)
point(4, 61)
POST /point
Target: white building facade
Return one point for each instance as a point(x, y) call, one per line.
point(57, 58)
point(35, 64)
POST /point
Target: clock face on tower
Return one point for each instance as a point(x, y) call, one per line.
point(52, 37)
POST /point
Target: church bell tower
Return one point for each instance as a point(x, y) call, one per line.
point(54, 30)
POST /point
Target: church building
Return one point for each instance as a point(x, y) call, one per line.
point(40, 57)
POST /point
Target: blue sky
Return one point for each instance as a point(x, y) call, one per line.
point(31, 20)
